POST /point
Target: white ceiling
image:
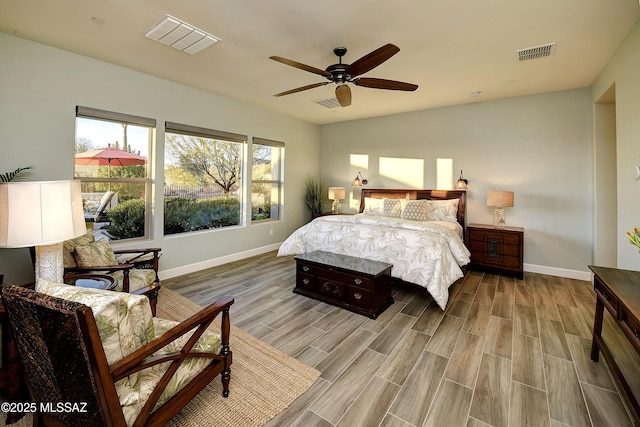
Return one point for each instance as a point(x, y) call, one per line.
point(450, 48)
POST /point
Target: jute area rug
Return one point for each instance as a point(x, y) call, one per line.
point(264, 380)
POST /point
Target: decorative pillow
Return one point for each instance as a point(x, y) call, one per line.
point(69, 247)
point(414, 210)
point(442, 210)
point(96, 254)
point(392, 207)
point(373, 206)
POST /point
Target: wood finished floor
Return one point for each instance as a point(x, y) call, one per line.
point(506, 352)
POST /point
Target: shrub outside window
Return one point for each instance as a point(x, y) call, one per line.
point(111, 159)
point(266, 179)
point(202, 188)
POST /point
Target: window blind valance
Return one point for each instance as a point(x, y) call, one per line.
point(94, 113)
point(203, 132)
point(270, 142)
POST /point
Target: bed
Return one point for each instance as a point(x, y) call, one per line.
point(419, 232)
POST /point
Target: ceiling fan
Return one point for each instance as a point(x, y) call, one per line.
point(341, 74)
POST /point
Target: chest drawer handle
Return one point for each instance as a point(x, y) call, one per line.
point(305, 281)
point(357, 295)
point(357, 281)
point(636, 333)
point(305, 268)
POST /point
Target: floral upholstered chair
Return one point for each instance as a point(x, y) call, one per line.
point(135, 270)
point(106, 350)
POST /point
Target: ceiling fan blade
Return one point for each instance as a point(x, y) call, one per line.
point(384, 84)
point(372, 60)
point(301, 66)
point(300, 89)
point(343, 93)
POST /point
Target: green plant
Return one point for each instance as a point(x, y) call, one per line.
point(16, 175)
point(182, 214)
point(127, 219)
point(314, 195)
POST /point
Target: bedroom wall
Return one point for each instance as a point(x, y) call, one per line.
point(623, 71)
point(538, 146)
point(40, 88)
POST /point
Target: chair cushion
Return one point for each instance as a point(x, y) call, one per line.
point(96, 254)
point(138, 278)
point(124, 320)
point(69, 248)
point(136, 393)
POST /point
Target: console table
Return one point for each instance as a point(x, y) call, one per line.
point(357, 284)
point(618, 291)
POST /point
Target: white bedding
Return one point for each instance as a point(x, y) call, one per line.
point(429, 254)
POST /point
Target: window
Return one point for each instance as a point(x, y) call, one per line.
point(111, 159)
point(266, 179)
point(201, 178)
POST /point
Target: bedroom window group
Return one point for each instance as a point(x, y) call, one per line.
point(202, 187)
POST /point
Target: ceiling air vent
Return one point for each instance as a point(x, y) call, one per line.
point(180, 35)
point(329, 102)
point(536, 52)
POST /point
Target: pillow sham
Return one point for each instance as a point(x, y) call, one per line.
point(414, 210)
point(392, 208)
point(442, 210)
point(373, 206)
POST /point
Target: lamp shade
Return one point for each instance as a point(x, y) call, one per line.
point(500, 199)
point(336, 193)
point(40, 213)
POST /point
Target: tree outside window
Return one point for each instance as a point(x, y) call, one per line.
point(201, 179)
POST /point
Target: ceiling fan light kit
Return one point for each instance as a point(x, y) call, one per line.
point(341, 74)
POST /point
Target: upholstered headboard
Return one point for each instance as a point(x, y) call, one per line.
point(380, 193)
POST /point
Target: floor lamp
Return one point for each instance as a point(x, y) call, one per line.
point(41, 214)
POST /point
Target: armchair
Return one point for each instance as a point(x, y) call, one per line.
point(135, 270)
point(104, 348)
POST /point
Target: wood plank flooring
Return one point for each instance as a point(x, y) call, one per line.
point(506, 352)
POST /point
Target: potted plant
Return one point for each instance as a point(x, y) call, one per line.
point(16, 175)
point(313, 195)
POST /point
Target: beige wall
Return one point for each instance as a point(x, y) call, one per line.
point(538, 146)
point(623, 70)
point(40, 88)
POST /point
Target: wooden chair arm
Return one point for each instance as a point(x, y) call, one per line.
point(202, 319)
point(146, 250)
point(110, 268)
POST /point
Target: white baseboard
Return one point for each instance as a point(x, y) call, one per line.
point(192, 268)
point(560, 272)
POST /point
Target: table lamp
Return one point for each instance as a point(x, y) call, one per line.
point(336, 194)
point(499, 200)
point(41, 214)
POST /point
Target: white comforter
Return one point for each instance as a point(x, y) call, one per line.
point(429, 254)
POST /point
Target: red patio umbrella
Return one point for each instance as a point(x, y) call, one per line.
point(109, 156)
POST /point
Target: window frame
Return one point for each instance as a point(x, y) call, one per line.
point(279, 166)
point(200, 132)
point(130, 119)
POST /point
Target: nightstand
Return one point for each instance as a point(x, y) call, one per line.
point(496, 249)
